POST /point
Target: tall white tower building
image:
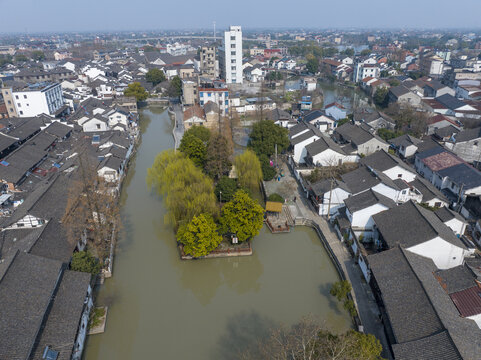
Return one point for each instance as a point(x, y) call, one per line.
point(230, 56)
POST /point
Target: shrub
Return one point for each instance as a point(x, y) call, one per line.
point(276, 198)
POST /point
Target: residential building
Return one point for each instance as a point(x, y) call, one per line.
point(219, 96)
point(230, 56)
point(208, 66)
point(466, 144)
point(24, 100)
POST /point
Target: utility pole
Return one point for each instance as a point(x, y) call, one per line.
point(330, 196)
point(276, 155)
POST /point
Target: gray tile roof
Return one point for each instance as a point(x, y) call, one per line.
point(321, 187)
point(360, 180)
point(61, 327)
point(409, 225)
point(300, 138)
point(410, 312)
point(399, 90)
point(450, 101)
point(467, 135)
point(353, 133)
point(322, 144)
point(456, 279)
point(465, 334)
point(438, 346)
point(403, 138)
point(25, 293)
point(366, 199)
point(463, 174)
point(382, 161)
point(58, 129)
point(428, 190)
point(444, 214)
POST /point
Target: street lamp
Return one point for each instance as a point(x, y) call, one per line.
point(220, 196)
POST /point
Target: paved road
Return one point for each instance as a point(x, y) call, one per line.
point(179, 125)
point(362, 294)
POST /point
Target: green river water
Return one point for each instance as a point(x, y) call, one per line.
point(163, 308)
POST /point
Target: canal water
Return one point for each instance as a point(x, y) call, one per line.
point(163, 308)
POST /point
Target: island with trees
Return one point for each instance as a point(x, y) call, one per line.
point(210, 195)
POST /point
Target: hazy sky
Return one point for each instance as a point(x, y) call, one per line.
point(92, 15)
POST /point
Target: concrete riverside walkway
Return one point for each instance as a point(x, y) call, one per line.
point(362, 294)
point(178, 131)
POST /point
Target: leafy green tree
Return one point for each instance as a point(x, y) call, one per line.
point(381, 97)
point(248, 169)
point(349, 52)
point(38, 55)
point(200, 132)
point(242, 216)
point(155, 76)
point(84, 261)
point(387, 134)
point(312, 64)
point(149, 48)
point(175, 87)
point(6, 59)
point(268, 171)
point(199, 236)
point(194, 149)
point(186, 190)
point(276, 198)
point(341, 289)
point(20, 58)
point(366, 52)
point(217, 157)
point(264, 137)
point(330, 51)
point(227, 187)
point(136, 90)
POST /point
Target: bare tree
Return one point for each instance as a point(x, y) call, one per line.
point(307, 340)
point(92, 209)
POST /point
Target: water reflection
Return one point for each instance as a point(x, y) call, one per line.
point(243, 333)
point(163, 308)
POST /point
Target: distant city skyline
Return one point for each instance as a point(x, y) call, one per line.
point(109, 15)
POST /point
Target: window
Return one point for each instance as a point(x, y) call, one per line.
point(98, 126)
point(9, 102)
point(16, 97)
point(232, 67)
point(437, 204)
point(232, 53)
point(399, 175)
point(21, 112)
point(24, 96)
point(19, 105)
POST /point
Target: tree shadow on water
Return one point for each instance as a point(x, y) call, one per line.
point(243, 334)
point(325, 289)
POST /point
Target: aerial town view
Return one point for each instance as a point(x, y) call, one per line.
point(240, 181)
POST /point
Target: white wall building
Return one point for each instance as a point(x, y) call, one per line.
point(230, 60)
point(36, 100)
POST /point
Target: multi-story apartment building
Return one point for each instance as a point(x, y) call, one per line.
point(217, 95)
point(31, 100)
point(208, 66)
point(363, 70)
point(230, 56)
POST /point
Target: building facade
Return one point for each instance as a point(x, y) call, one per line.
point(208, 66)
point(230, 59)
point(33, 100)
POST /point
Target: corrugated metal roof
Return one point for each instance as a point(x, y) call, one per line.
point(468, 301)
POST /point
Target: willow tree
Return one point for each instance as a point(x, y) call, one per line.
point(248, 169)
point(186, 190)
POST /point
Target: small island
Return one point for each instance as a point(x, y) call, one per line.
point(211, 195)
